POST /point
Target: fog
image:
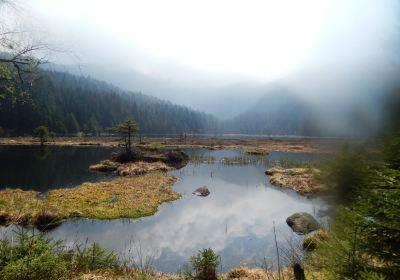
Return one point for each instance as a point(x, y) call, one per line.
point(222, 57)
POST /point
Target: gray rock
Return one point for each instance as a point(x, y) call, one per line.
point(302, 223)
point(202, 191)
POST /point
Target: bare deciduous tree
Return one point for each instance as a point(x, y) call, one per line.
point(19, 58)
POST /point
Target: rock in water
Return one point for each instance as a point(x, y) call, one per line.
point(302, 223)
point(202, 191)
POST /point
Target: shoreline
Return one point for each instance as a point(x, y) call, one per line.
point(296, 145)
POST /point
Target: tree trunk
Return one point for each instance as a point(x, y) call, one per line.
point(129, 140)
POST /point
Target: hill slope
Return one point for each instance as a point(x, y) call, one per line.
point(278, 113)
point(68, 104)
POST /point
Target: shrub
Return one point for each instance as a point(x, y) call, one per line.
point(205, 265)
point(34, 257)
point(31, 257)
point(35, 266)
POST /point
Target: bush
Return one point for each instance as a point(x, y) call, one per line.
point(205, 265)
point(32, 257)
point(35, 266)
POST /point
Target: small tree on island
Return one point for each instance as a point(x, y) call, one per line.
point(42, 132)
point(126, 129)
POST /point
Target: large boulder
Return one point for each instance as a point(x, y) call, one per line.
point(302, 223)
point(202, 191)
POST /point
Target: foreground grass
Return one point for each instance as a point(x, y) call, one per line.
point(126, 197)
point(29, 257)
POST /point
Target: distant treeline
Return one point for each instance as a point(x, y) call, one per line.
point(69, 104)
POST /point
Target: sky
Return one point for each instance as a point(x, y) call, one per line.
point(223, 56)
point(224, 40)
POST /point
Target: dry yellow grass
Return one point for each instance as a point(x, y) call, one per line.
point(18, 206)
point(241, 272)
point(127, 197)
point(246, 273)
point(302, 180)
point(129, 276)
point(141, 167)
point(105, 166)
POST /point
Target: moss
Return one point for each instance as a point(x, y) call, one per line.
point(126, 197)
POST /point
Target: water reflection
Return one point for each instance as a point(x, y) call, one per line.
point(236, 219)
point(42, 168)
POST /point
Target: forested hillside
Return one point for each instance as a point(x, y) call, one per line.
point(69, 104)
point(278, 113)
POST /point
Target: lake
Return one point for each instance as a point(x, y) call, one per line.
point(236, 219)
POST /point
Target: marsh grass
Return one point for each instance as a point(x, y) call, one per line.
point(199, 159)
point(138, 258)
point(127, 197)
point(152, 146)
point(244, 160)
point(256, 151)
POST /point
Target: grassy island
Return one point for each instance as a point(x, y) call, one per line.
point(125, 197)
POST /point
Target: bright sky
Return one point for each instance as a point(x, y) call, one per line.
point(254, 38)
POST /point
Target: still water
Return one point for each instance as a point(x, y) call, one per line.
point(42, 168)
point(236, 219)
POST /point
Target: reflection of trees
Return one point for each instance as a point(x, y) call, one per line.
point(43, 153)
